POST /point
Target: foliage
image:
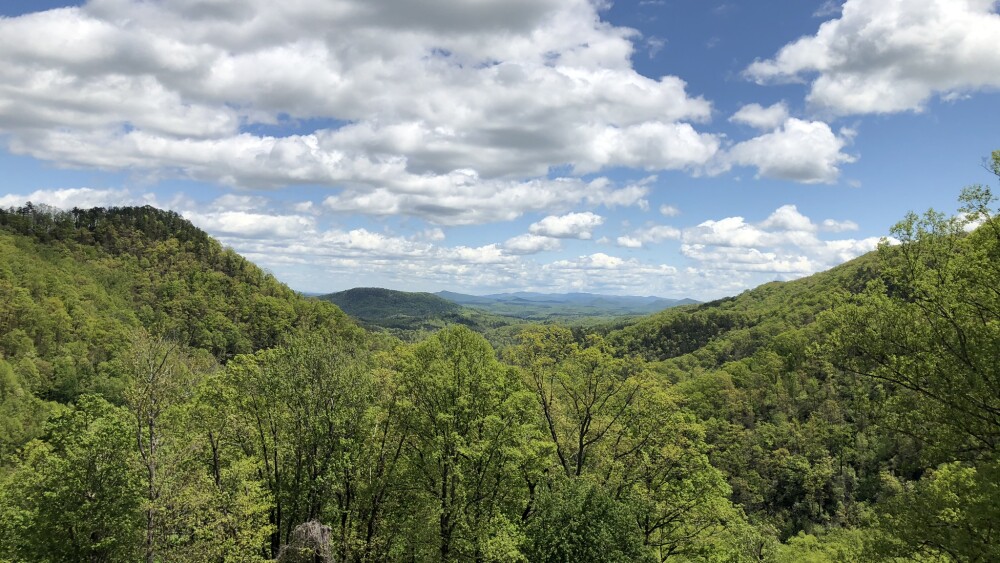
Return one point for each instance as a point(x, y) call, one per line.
point(925, 335)
point(579, 521)
point(77, 494)
point(469, 426)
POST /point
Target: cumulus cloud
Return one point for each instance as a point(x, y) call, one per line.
point(461, 198)
point(788, 218)
point(409, 103)
point(753, 260)
point(801, 151)
point(760, 117)
point(786, 242)
point(883, 56)
point(435, 234)
point(530, 244)
point(649, 235)
point(69, 198)
point(669, 210)
point(251, 225)
point(626, 241)
point(571, 225)
point(834, 226)
point(604, 272)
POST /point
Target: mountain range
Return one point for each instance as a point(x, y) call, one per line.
point(402, 310)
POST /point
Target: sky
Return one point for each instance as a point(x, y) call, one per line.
point(679, 148)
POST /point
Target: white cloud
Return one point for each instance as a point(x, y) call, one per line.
point(462, 198)
point(730, 231)
point(530, 244)
point(786, 243)
point(883, 56)
point(766, 118)
point(801, 151)
point(652, 145)
point(654, 45)
point(669, 210)
point(304, 207)
point(69, 198)
point(606, 273)
point(788, 218)
point(834, 226)
point(827, 8)
point(416, 102)
point(234, 202)
point(658, 233)
point(435, 234)
point(751, 260)
point(571, 225)
point(597, 261)
point(649, 235)
point(251, 225)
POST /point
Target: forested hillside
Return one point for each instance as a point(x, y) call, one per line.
point(411, 316)
point(374, 303)
point(163, 399)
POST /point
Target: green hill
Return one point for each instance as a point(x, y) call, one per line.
point(76, 285)
point(378, 305)
point(710, 334)
point(411, 316)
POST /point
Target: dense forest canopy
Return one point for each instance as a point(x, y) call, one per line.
point(161, 398)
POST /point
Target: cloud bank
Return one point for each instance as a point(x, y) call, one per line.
point(884, 56)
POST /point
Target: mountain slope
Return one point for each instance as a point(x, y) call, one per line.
point(376, 304)
point(76, 286)
point(157, 270)
point(410, 315)
point(381, 306)
point(709, 334)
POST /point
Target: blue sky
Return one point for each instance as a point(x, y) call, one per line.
point(682, 148)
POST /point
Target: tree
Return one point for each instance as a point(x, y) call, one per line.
point(577, 520)
point(470, 434)
point(926, 334)
point(612, 424)
point(78, 495)
point(587, 396)
point(305, 411)
point(159, 378)
point(929, 329)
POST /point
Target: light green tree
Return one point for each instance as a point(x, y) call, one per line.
point(470, 437)
point(77, 496)
point(927, 335)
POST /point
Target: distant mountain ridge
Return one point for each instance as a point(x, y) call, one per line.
point(409, 314)
point(376, 303)
point(408, 311)
point(570, 304)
